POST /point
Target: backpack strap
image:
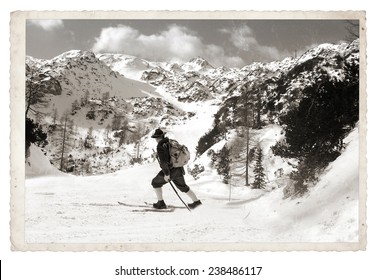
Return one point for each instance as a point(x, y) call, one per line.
point(167, 147)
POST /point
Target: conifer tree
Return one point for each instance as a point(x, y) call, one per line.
point(259, 181)
point(89, 139)
point(314, 130)
point(223, 164)
point(34, 135)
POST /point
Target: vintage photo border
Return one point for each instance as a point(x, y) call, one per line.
point(17, 137)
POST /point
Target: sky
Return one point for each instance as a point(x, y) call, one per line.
point(230, 43)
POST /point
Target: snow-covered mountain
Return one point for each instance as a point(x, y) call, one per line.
point(197, 64)
point(108, 105)
point(81, 73)
point(98, 88)
point(129, 66)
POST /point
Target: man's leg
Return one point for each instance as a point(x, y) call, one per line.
point(179, 181)
point(192, 195)
point(182, 186)
point(158, 181)
point(157, 184)
point(159, 193)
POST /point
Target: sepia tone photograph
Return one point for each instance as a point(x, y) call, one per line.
point(188, 131)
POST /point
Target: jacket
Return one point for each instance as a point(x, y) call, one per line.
point(163, 151)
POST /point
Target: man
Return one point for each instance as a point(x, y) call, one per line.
point(168, 173)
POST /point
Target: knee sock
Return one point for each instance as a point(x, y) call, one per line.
point(192, 195)
point(158, 192)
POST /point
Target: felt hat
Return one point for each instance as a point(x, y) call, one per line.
point(158, 133)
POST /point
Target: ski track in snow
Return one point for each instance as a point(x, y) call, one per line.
point(85, 209)
point(62, 208)
point(70, 209)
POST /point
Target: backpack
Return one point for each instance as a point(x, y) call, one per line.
point(179, 154)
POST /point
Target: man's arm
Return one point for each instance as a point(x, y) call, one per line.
point(164, 160)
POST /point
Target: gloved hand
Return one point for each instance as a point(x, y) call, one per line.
point(167, 178)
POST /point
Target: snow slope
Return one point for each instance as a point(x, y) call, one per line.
point(329, 213)
point(68, 209)
point(38, 165)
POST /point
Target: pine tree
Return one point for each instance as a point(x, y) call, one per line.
point(210, 138)
point(34, 135)
point(314, 130)
point(250, 113)
point(89, 139)
point(223, 164)
point(259, 181)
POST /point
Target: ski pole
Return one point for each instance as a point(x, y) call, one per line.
point(172, 186)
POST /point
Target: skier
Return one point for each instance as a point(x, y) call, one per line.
point(168, 173)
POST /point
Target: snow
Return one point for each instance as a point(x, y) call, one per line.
point(127, 65)
point(87, 73)
point(69, 209)
point(40, 166)
point(63, 208)
point(190, 132)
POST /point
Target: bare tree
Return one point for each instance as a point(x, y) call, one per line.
point(105, 97)
point(54, 116)
point(116, 122)
point(352, 27)
point(247, 123)
point(34, 93)
point(64, 140)
point(107, 133)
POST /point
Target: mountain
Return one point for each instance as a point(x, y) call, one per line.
point(197, 64)
point(124, 98)
point(102, 106)
point(274, 148)
point(129, 66)
point(279, 85)
point(81, 73)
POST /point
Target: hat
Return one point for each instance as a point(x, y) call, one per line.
point(158, 133)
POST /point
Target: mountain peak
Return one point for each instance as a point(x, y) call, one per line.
point(197, 64)
point(72, 54)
